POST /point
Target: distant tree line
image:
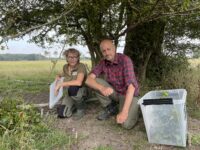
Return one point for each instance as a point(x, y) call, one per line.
point(18, 57)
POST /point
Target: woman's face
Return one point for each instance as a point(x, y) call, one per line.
point(72, 59)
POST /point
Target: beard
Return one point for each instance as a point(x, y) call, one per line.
point(109, 58)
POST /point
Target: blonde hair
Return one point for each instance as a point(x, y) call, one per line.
point(71, 50)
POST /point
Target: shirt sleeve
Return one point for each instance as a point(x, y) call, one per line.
point(64, 70)
point(82, 69)
point(98, 69)
point(129, 74)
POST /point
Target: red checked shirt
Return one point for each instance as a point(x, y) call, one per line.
point(119, 73)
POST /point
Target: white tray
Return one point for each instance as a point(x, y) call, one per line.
point(52, 98)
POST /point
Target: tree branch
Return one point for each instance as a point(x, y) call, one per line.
point(39, 26)
point(158, 16)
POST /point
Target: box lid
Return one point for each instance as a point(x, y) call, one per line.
point(177, 95)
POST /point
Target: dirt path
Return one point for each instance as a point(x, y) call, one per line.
point(90, 133)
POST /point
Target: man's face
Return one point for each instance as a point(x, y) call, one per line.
point(108, 50)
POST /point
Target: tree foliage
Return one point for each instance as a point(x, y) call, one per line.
point(86, 22)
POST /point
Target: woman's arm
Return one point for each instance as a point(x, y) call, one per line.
point(77, 82)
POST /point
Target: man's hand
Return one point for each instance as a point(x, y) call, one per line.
point(106, 91)
point(121, 117)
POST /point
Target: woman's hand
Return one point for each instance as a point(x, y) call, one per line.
point(58, 86)
point(58, 76)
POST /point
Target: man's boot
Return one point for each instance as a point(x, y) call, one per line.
point(110, 110)
point(79, 114)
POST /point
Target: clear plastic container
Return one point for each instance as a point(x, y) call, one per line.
point(52, 98)
point(165, 116)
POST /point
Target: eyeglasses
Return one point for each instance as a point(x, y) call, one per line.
point(72, 58)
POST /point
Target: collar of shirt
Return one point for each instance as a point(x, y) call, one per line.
point(75, 67)
point(115, 62)
point(73, 70)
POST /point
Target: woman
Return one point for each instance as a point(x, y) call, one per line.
point(74, 74)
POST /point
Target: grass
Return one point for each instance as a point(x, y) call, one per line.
point(43, 140)
point(26, 70)
point(35, 70)
point(23, 128)
point(195, 139)
point(28, 76)
point(194, 62)
point(103, 148)
point(194, 89)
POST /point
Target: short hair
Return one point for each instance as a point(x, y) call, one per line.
point(71, 50)
point(108, 40)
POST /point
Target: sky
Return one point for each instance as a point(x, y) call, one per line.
point(24, 47)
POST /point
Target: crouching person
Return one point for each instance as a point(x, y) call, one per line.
point(118, 92)
point(74, 74)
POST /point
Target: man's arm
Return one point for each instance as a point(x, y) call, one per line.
point(123, 115)
point(91, 82)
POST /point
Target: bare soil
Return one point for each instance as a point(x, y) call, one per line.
point(89, 133)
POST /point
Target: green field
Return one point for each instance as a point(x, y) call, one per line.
point(41, 70)
point(27, 69)
point(31, 69)
point(194, 62)
point(38, 74)
point(29, 76)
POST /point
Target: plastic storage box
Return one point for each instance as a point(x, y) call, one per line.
point(165, 116)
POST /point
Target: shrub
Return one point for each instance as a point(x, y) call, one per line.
point(17, 119)
point(21, 127)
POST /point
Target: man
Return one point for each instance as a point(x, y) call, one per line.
point(120, 85)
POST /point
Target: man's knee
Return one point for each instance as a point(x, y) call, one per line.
point(132, 120)
point(129, 125)
point(99, 80)
point(102, 82)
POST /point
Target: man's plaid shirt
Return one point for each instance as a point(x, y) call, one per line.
point(119, 73)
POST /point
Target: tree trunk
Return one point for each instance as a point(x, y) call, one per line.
point(141, 43)
point(95, 52)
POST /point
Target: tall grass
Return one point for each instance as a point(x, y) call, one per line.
point(31, 76)
point(188, 79)
point(28, 69)
point(194, 62)
point(31, 69)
